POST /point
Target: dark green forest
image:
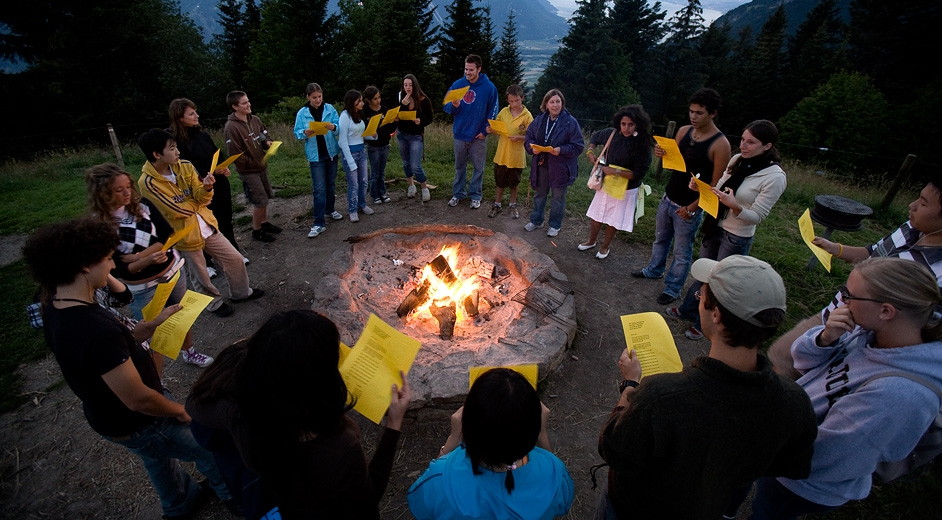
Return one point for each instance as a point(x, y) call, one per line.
point(854, 98)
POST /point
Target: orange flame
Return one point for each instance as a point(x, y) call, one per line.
point(442, 293)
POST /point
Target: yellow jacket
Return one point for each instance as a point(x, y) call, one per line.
point(179, 203)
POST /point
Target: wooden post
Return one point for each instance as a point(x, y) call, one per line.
point(901, 176)
point(116, 146)
point(671, 128)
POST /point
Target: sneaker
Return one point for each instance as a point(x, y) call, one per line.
point(411, 191)
point(552, 232)
point(453, 201)
point(193, 357)
point(262, 236)
point(224, 310)
point(495, 209)
point(354, 217)
point(530, 226)
point(673, 312)
point(693, 333)
point(426, 196)
point(377, 200)
point(367, 210)
point(475, 204)
point(514, 212)
point(212, 272)
point(268, 227)
point(386, 199)
point(336, 215)
point(664, 298)
point(245, 260)
point(316, 230)
point(256, 294)
point(640, 274)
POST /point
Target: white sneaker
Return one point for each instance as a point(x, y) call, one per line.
point(245, 260)
point(411, 191)
point(530, 226)
point(475, 204)
point(316, 230)
point(453, 201)
point(367, 210)
point(336, 215)
point(193, 357)
point(426, 196)
point(552, 232)
point(354, 217)
point(211, 271)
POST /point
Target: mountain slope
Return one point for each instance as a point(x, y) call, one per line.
point(754, 14)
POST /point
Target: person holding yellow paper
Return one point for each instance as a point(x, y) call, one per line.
point(284, 405)
point(510, 158)
point(690, 444)
point(377, 145)
point(139, 261)
point(750, 186)
point(116, 379)
point(706, 152)
point(625, 163)
point(322, 153)
point(496, 463)
point(411, 135)
point(353, 154)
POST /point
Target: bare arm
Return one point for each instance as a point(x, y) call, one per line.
point(126, 383)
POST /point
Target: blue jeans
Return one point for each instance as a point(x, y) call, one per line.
point(557, 207)
point(717, 246)
point(356, 181)
point(475, 151)
point(671, 227)
point(323, 184)
point(412, 151)
point(142, 298)
point(774, 501)
point(377, 156)
point(158, 445)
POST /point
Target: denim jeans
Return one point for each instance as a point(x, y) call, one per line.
point(671, 227)
point(323, 184)
point(717, 246)
point(377, 156)
point(142, 298)
point(158, 445)
point(475, 151)
point(356, 182)
point(412, 151)
point(557, 207)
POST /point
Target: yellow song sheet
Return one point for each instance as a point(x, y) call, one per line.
point(807, 234)
point(272, 150)
point(227, 162)
point(212, 167)
point(498, 127)
point(541, 149)
point(168, 338)
point(157, 303)
point(615, 185)
point(373, 366)
point(390, 116)
point(372, 125)
point(177, 235)
point(455, 95)
point(319, 127)
point(708, 200)
point(345, 351)
point(649, 336)
point(527, 371)
point(407, 115)
point(672, 159)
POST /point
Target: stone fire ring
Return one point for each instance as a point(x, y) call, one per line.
point(379, 269)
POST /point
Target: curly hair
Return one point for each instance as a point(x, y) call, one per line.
point(99, 181)
point(56, 254)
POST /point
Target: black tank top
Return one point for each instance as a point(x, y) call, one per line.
point(697, 158)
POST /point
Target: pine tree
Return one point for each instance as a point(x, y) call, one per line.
point(638, 28)
point(815, 52)
point(762, 97)
point(232, 44)
point(468, 31)
point(508, 67)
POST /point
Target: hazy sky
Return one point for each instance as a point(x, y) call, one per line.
point(712, 9)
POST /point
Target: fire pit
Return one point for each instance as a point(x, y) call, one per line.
point(472, 296)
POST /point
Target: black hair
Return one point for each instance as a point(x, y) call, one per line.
point(637, 114)
point(370, 92)
point(219, 380)
point(475, 59)
point(59, 252)
point(708, 98)
point(739, 332)
point(233, 98)
point(501, 421)
point(154, 141)
point(350, 105)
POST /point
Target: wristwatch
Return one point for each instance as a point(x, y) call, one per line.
point(625, 384)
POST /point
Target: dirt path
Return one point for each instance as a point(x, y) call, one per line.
point(54, 465)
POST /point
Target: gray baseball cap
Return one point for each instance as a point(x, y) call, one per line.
point(744, 285)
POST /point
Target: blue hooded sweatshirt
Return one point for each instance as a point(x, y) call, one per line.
point(478, 105)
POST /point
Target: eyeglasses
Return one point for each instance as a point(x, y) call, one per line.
point(847, 296)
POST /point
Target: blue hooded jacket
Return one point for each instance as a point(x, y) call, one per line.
point(478, 105)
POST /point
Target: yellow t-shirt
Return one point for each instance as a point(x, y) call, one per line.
point(511, 153)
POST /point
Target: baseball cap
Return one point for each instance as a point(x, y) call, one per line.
point(743, 284)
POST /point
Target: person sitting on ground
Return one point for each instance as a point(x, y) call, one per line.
point(496, 463)
point(177, 192)
point(856, 368)
point(919, 239)
point(116, 379)
point(688, 445)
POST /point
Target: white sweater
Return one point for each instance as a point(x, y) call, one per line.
point(757, 194)
point(350, 134)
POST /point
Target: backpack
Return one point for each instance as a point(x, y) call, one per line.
point(927, 449)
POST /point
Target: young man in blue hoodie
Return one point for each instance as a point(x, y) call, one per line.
point(470, 121)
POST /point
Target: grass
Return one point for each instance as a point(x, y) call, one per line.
point(51, 188)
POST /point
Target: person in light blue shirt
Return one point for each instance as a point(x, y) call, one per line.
point(321, 151)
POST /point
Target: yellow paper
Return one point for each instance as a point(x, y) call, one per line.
point(615, 185)
point(807, 234)
point(372, 125)
point(407, 115)
point(708, 200)
point(271, 151)
point(212, 168)
point(498, 127)
point(672, 159)
point(649, 336)
point(168, 338)
point(319, 127)
point(527, 371)
point(454, 95)
point(390, 116)
point(541, 149)
point(157, 303)
point(179, 234)
point(373, 366)
point(227, 162)
point(344, 352)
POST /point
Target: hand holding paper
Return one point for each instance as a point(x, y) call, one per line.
point(319, 127)
point(271, 151)
point(806, 228)
point(168, 338)
point(708, 200)
point(390, 116)
point(649, 336)
point(455, 95)
point(672, 159)
point(498, 127)
point(541, 149)
point(372, 126)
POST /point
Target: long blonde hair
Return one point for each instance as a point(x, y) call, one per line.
point(99, 180)
point(909, 286)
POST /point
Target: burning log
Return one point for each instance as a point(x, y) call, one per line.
point(446, 317)
point(415, 298)
point(442, 270)
point(471, 305)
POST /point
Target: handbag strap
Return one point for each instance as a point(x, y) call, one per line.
point(604, 149)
